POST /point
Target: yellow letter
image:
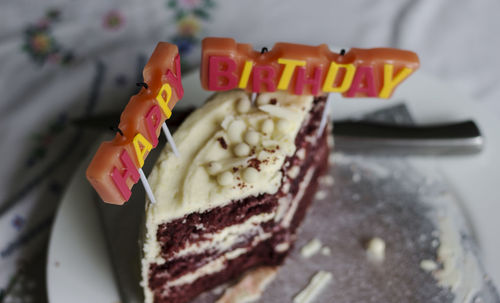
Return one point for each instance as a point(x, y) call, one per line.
point(332, 74)
point(139, 141)
point(245, 74)
point(389, 82)
point(163, 101)
point(286, 76)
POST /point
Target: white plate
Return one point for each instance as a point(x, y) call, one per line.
point(78, 268)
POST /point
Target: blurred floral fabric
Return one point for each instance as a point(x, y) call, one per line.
point(62, 60)
point(54, 71)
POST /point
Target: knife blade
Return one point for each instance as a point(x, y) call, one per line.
point(359, 136)
point(441, 139)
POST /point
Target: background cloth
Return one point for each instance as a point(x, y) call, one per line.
point(67, 59)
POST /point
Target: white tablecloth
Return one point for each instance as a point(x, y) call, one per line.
point(61, 60)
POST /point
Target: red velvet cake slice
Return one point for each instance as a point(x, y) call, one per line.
point(235, 197)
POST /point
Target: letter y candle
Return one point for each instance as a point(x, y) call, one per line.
point(303, 69)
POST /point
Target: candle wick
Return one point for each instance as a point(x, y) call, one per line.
point(143, 84)
point(116, 129)
point(342, 52)
point(264, 50)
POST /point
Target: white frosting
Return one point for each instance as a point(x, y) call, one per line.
point(460, 268)
point(282, 247)
point(296, 200)
point(207, 269)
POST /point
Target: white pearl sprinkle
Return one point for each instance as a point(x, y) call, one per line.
point(267, 126)
point(243, 105)
point(251, 175)
point(214, 167)
point(242, 150)
point(235, 130)
point(225, 179)
point(283, 125)
point(252, 137)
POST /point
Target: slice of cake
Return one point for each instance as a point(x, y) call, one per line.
point(234, 198)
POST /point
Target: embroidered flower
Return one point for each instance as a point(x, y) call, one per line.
point(44, 139)
point(188, 26)
point(113, 20)
point(189, 4)
point(17, 222)
point(41, 45)
point(189, 17)
point(41, 42)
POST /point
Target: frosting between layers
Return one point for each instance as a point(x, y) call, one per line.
point(227, 237)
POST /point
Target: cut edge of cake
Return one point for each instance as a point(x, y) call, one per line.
point(246, 176)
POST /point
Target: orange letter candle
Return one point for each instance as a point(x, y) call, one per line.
point(303, 69)
point(114, 169)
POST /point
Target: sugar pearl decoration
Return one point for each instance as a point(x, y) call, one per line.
point(243, 105)
point(267, 126)
point(250, 175)
point(225, 178)
point(283, 125)
point(263, 99)
point(235, 130)
point(252, 137)
point(241, 150)
point(214, 167)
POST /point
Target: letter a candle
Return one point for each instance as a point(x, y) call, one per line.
point(117, 164)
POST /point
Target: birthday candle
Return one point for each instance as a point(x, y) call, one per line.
point(302, 69)
point(117, 164)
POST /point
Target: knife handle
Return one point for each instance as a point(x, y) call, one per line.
point(457, 138)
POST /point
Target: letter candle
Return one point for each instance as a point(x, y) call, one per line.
point(117, 164)
point(302, 69)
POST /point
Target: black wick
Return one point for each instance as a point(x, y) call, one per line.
point(116, 129)
point(143, 84)
point(342, 52)
point(264, 50)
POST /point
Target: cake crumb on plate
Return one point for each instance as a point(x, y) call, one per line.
point(428, 265)
point(375, 248)
point(313, 289)
point(311, 248)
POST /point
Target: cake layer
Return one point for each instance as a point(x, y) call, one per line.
point(204, 243)
point(174, 235)
point(223, 268)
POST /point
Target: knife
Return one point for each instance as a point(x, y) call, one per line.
point(441, 139)
point(365, 136)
